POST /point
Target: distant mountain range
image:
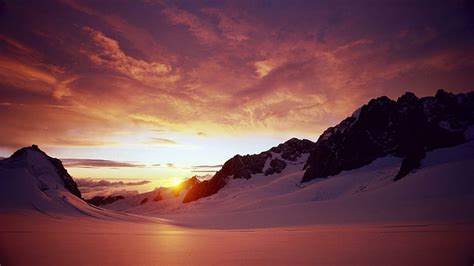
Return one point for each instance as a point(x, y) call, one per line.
point(405, 128)
point(408, 129)
point(268, 162)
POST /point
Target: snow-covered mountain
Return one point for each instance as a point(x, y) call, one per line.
point(287, 157)
point(353, 173)
point(162, 198)
point(229, 197)
point(270, 162)
point(429, 139)
point(405, 128)
point(33, 182)
point(442, 189)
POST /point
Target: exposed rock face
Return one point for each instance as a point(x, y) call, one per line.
point(293, 148)
point(185, 185)
point(407, 128)
point(158, 197)
point(69, 183)
point(243, 167)
point(276, 166)
point(103, 200)
point(205, 188)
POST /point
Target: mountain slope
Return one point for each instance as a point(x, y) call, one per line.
point(39, 163)
point(33, 182)
point(162, 198)
point(406, 128)
point(441, 190)
point(269, 162)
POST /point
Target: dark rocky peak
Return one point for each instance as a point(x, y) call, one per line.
point(443, 96)
point(185, 185)
point(20, 158)
point(189, 182)
point(408, 98)
point(379, 102)
point(204, 189)
point(293, 148)
point(406, 128)
point(244, 166)
point(104, 200)
point(21, 154)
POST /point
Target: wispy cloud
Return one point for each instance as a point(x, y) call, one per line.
point(201, 134)
point(204, 31)
point(107, 52)
point(97, 163)
point(161, 141)
point(212, 69)
point(207, 166)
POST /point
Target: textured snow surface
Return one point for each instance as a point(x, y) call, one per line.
point(32, 185)
point(441, 190)
point(41, 240)
point(359, 217)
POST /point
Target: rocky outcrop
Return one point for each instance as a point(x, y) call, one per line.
point(406, 128)
point(185, 185)
point(243, 167)
point(205, 188)
point(276, 166)
point(104, 200)
point(188, 183)
point(158, 196)
point(293, 148)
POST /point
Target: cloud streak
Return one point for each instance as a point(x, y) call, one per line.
point(207, 166)
point(107, 52)
point(161, 141)
point(97, 163)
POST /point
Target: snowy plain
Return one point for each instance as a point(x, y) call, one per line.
point(36, 240)
point(359, 217)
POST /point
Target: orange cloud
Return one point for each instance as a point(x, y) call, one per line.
point(29, 77)
point(234, 24)
point(94, 163)
point(201, 29)
point(107, 52)
point(223, 70)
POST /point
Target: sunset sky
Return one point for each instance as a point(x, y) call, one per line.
point(163, 90)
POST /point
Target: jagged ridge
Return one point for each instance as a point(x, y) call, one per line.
point(406, 128)
point(245, 166)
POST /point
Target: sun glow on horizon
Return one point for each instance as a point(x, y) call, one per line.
point(175, 182)
point(101, 86)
